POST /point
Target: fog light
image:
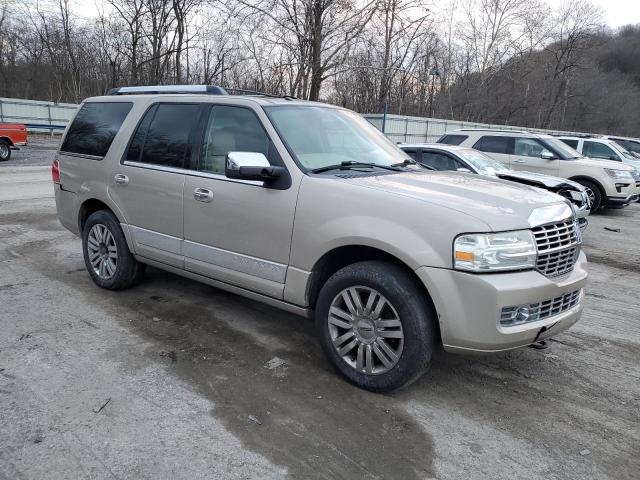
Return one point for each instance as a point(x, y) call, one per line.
point(517, 315)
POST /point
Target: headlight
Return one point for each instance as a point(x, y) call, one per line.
point(619, 174)
point(493, 252)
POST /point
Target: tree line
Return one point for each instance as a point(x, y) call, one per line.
point(517, 62)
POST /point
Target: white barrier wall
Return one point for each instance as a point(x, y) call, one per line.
point(38, 115)
point(403, 129)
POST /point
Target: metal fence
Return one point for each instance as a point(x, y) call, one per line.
point(36, 115)
point(402, 129)
point(50, 116)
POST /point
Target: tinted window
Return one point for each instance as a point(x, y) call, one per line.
point(528, 147)
point(493, 144)
point(412, 152)
point(598, 150)
point(231, 129)
point(167, 139)
point(453, 139)
point(137, 142)
point(572, 143)
point(94, 128)
point(440, 161)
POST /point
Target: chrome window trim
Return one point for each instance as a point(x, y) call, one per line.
point(191, 173)
point(80, 155)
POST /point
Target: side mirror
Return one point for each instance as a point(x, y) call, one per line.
point(547, 155)
point(250, 166)
point(464, 170)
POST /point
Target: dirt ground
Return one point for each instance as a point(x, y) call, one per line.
point(169, 379)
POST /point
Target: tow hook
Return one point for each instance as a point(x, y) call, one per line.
point(541, 344)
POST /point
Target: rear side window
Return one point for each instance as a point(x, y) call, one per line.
point(572, 143)
point(453, 139)
point(94, 128)
point(494, 144)
point(163, 135)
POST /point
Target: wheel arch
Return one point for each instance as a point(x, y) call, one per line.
point(7, 140)
point(340, 257)
point(603, 192)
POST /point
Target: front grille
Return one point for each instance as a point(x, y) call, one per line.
point(520, 314)
point(558, 247)
point(636, 176)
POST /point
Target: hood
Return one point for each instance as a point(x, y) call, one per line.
point(501, 204)
point(548, 182)
point(598, 162)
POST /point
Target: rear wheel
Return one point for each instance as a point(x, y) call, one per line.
point(5, 151)
point(594, 193)
point(106, 254)
point(376, 326)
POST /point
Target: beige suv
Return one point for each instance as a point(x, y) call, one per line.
point(608, 183)
point(307, 207)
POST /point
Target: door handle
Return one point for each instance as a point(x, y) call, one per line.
point(518, 161)
point(121, 179)
point(203, 195)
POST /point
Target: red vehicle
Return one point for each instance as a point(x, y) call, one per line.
point(12, 136)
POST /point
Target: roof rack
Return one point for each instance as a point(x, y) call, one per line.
point(263, 94)
point(489, 129)
point(168, 89)
point(576, 135)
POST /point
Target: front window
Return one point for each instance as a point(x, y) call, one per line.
point(599, 150)
point(560, 148)
point(484, 164)
point(320, 137)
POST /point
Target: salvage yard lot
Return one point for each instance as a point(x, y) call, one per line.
point(172, 379)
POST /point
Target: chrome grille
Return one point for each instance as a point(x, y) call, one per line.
point(520, 314)
point(558, 247)
point(636, 176)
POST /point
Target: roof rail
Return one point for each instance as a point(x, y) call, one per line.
point(262, 94)
point(489, 129)
point(168, 89)
point(575, 135)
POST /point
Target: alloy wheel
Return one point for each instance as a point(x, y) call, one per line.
point(365, 330)
point(102, 251)
point(4, 151)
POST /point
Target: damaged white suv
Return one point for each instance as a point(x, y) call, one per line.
point(307, 207)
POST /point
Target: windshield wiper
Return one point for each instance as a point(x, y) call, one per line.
point(348, 164)
point(404, 163)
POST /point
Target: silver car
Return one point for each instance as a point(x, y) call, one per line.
point(307, 207)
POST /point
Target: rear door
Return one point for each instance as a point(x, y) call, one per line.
point(528, 156)
point(237, 231)
point(148, 183)
point(498, 147)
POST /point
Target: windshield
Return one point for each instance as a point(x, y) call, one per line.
point(484, 164)
point(562, 149)
point(322, 136)
point(632, 146)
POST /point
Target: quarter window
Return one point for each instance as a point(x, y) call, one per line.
point(412, 152)
point(231, 129)
point(572, 143)
point(94, 128)
point(494, 144)
point(452, 139)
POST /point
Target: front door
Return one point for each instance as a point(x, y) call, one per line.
point(528, 156)
point(148, 184)
point(236, 231)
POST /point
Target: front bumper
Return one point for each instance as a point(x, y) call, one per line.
point(469, 306)
point(620, 202)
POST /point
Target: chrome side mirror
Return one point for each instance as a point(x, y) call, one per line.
point(464, 170)
point(547, 155)
point(250, 166)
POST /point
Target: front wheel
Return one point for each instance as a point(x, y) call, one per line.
point(376, 326)
point(106, 254)
point(594, 193)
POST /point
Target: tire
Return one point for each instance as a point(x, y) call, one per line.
point(5, 151)
point(114, 268)
point(412, 343)
point(594, 192)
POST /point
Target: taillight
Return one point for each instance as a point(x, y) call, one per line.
point(55, 171)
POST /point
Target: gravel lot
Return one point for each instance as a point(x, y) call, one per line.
point(168, 380)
